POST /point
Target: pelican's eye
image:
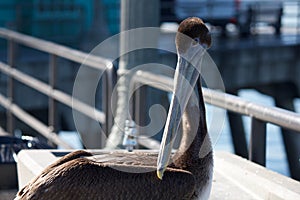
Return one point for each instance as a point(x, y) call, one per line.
point(196, 41)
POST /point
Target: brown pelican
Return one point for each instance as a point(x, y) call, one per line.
point(117, 174)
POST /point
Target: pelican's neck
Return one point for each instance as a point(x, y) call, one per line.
point(195, 151)
point(195, 141)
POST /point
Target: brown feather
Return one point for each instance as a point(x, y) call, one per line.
point(83, 178)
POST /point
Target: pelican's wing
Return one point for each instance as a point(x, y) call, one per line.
point(126, 158)
point(83, 178)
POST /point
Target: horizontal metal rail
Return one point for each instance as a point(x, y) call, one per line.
point(33, 122)
point(56, 49)
point(278, 116)
point(232, 103)
point(3, 132)
point(55, 94)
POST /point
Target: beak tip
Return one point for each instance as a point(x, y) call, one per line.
point(160, 173)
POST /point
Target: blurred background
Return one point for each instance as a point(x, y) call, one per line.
point(67, 21)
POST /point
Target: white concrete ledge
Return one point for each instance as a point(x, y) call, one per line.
point(234, 177)
point(238, 178)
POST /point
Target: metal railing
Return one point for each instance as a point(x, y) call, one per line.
point(260, 114)
point(54, 51)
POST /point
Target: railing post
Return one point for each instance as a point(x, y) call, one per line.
point(108, 85)
point(147, 13)
point(10, 86)
point(52, 109)
point(139, 110)
point(257, 149)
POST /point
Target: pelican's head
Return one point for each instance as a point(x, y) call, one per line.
point(192, 40)
point(192, 31)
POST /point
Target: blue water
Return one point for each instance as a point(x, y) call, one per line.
point(276, 158)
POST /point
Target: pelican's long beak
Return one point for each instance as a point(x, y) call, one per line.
point(186, 75)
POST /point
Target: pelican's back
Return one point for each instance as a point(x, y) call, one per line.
point(82, 178)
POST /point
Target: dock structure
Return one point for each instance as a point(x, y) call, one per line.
point(268, 64)
point(13, 70)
